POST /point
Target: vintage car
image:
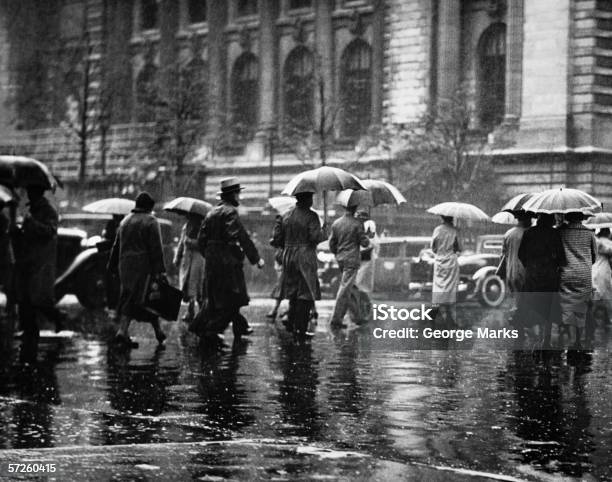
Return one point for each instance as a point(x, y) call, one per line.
point(82, 259)
point(405, 265)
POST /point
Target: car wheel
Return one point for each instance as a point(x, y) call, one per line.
point(492, 291)
point(91, 289)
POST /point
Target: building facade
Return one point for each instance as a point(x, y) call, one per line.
point(538, 74)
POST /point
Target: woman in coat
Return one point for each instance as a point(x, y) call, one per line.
point(602, 273)
point(445, 245)
point(190, 263)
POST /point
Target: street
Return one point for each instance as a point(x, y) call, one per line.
point(345, 406)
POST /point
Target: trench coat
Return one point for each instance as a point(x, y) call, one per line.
point(7, 258)
point(298, 232)
point(602, 273)
point(224, 243)
point(191, 265)
point(137, 253)
point(445, 245)
point(37, 253)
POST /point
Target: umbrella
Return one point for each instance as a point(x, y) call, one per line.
point(517, 202)
point(113, 205)
point(459, 211)
point(188, 205)
point(17, 171)
point(325, 178)
point(378, 192)
point(282, 203)
point(6, 194)
point(599, 220)
point(562, 201)
point(504, 217)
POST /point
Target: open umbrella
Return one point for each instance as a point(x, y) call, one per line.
point(188, 205)
point(459, 211)
point(378, 192)
point(113, 205)
point(325, 178)
point(517, 202)
point(18, 171)
point(599, 220)
point(282, 204)
point(562, 201)
point(504, 217)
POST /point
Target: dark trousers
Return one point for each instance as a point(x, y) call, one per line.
point(299, 315)
point(219, 320)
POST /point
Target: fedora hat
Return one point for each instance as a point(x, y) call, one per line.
point(230, 184)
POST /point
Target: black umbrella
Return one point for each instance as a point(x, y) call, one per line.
point(18, 171)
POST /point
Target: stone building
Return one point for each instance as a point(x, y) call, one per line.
point(538, 73)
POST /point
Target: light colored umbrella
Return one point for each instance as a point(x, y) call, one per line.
point(188, 205)
point(599, 221)
point(517, 202)
point(459, 211)
point(325, 178)
point(563, 201)
point(504, 217)
point(282, 203)
point(113, 205)
point(378, 192)
point(6, 194)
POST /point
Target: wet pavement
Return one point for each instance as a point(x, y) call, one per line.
point(345, 406)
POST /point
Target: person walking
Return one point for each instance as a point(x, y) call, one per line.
point(224, 243)
point(276, 294)
point(137, 255)
point(297, 233)
point(7, 260)
point(347, 236)
point(576, 285)
point(190, 263)
point(541, 253)
point(445, 246)
point(36, 265)
point(602, 275)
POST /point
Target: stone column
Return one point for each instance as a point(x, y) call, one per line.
point(378, 40)
point(267, 65)
point(514, 62)
point(324, 55)
point(449, 47)
point(216, 15)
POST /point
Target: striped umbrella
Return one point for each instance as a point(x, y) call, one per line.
point(517, 202)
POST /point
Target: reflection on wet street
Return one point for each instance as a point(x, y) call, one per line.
point(342, 406)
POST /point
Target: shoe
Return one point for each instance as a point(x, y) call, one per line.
point(125, 341)
point(272, 315)
point(161, 338)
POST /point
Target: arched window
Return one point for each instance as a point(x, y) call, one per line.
point(193, 84)
point(146, 92)
point(245, 94)
point(492, 75)
point(356, 88)
point(299, 88)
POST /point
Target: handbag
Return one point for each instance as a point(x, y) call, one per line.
point(161, 299)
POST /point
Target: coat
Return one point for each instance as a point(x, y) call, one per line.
point(191, 265)
point(514, 269)
point(602, 273)
point(37, 254)
point(298, 232)
point(445, 245)
point(541, 253)
point(7, 257)
point(347, 235)
point(137, 253)
point(224, 243)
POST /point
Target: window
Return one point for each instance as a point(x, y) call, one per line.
point(148, 14)
point(145, 93)
point(356, 88)
point(299, 88)
point(197, 11)
point(245, 94)
point(298, 4)
point(492, 76)
point(246, 7)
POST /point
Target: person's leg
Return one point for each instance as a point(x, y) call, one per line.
point(240, 325)
point(302, 315)
point(343, 296)
point(159, 334)
point(272, 315)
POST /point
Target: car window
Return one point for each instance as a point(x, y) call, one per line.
point(492, 246)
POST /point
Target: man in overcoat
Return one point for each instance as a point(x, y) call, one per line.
point(137, 254)
point(347, 235)
point(298, 232)
point(36, 245)
point(224, 243)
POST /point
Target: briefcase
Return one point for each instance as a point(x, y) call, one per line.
point(161, 299)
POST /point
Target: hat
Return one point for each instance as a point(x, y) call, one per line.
point(230, 184)
point(145, 201)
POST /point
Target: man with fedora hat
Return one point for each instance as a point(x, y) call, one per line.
point(137, 253)
point(224, 243)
